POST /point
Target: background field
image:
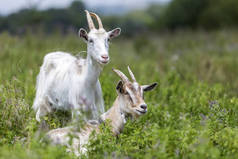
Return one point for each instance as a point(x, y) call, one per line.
point(191, 114)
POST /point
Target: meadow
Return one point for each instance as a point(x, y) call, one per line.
point(193, 113)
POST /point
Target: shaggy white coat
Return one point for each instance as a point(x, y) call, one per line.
point(68, 83)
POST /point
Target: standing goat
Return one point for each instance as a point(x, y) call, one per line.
point(130, 101)
point(70, 83)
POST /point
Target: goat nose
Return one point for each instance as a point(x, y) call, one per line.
point(105, 57)
point(144, 106)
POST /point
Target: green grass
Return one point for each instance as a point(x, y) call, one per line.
point(193, 113)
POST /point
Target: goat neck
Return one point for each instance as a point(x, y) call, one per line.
point(116, 116)
point(93, 71)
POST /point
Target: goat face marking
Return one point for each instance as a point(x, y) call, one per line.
point(132, 94)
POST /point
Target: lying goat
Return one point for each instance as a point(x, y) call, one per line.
point(70, 83)
point(129, 101)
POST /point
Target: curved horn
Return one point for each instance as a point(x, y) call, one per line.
point(90, 21)
point(121, 75)
point(131, 74)
point(98, 19)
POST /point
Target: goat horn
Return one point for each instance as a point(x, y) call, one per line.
point(90, 21)
point(98, 19)
point(121, 75)
point(131, 74)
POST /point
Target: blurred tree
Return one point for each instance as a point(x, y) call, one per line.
point(49, 20)
point(65, 19)
point(219, 13)
point(184, 13)
point(209, 14)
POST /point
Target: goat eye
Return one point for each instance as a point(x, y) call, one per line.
point(91, 41)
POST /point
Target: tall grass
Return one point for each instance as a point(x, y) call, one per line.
point(192, 113)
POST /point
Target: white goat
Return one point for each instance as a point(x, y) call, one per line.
point(130, 101)
point(70, 83)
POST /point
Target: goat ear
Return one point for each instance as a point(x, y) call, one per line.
point(114, 33)
point(120, 87)
point(83, 34)
point(149, 87)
